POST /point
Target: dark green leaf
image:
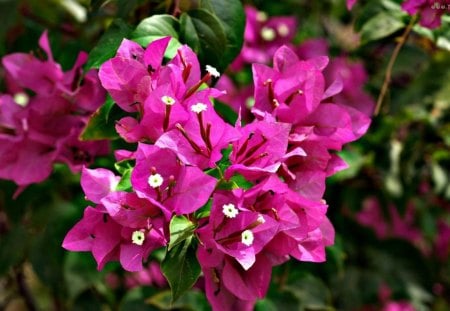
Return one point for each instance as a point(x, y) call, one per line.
point(181, 268)
point(108, 43)
point(155, 27)
point(181, 228)
point(380, 26)
point(205, 34)
point(232, 16)
point(101, 124)
point(225, 112)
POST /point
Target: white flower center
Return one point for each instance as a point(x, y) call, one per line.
point(247, 237)
point(212, 71)
point(261, 17)
point(169, 101)
point(138, 237)
point(268, 33)
point(155, 180)
point(198, 107)
point(21, 99)
point(283, 30)
point(230, 210)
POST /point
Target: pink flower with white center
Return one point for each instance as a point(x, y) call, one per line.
point(123, 227)
point(201, 139)
point(159, 176)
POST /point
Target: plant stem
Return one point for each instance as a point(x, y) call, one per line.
point(24, 290)
point(388, 76)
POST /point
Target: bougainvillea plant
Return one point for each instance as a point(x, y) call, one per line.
point(242, 198)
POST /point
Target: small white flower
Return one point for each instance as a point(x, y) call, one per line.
point(155, 180)
point(198, 107)
point(169, 101)
point(230, 210)
point(247, 237)
point(212, 71)
point(283, 30)
point(138, 237)
point(268, 34)
point(21, 99)
point(261, 17)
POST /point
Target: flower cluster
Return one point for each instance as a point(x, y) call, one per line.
point(259, 185)
point(263, 36)
point(42, 115)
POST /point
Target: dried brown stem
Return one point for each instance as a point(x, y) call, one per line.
point(388, 76)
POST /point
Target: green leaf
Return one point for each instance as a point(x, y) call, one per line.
point(125, 181)
point(155, 27)
point(181, 268)
point(101, 124)
point(204, 211)
point(108, 43)
point(205, 34)
point(232, 16)
point(181, 228)
point(380, 26)
point(225, 112)
point(239, 181)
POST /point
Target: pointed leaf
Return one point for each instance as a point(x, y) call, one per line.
point(181, 268)
point(108, 43)
point(181, 228)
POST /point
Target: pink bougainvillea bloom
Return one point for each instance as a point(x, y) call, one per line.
point(350, 4)
point(260, 150)
point(350, 74)
point(291, 90)
point(159, 175)
point(262, 37)
point(95, 232)
point(228, 286)
point(238, 232)
point(128, 76)
point(200, 141)
point(396, 225)
point(98, 183)
point(40, 129)
point(442, 242)
point(430, 11)
point(149, 276)
point(124, 227)
point(399, 306)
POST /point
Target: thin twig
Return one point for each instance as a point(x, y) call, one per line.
point(24, 290)
point(387, 77)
